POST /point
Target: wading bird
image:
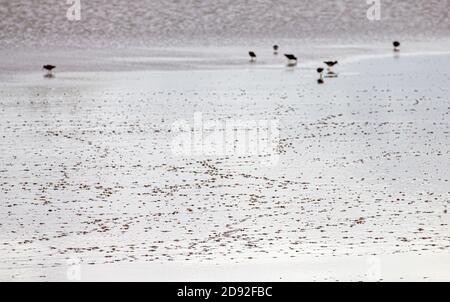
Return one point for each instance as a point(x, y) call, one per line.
point(292, 60)
point(275, 49)
point(320, 71)
point(330, 64)
point(49, 69)
point(396, 45)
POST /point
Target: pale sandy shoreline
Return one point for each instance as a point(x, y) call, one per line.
point(88, 174)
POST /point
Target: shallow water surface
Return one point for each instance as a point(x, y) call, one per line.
point(88, 170)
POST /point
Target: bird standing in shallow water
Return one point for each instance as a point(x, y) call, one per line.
point(275, 49)
point(396, 46)
point(330, 64)
point(49, 69)
point(320, 71)
point(292, 60)
point(252, 56)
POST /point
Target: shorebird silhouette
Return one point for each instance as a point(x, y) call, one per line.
point(49, 69)
point(320, 71)
point(330, 64)
point(252, 56)
point(275, 49)
point(396, 45)
point(292, 60)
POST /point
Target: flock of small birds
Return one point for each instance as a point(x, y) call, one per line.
point(292, 61)
point(91, 174)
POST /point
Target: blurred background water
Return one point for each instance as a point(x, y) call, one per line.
point(120, 23)
point(174, 34)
